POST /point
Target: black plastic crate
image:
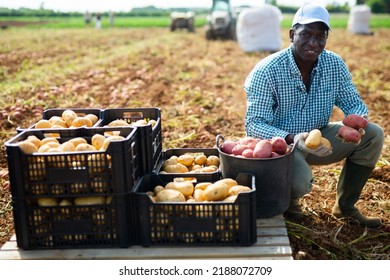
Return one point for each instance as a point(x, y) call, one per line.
point(81, 112)
point(194, 224)
point(150, 138)
point(73, 226)
point(112, 171)
point(201, 176)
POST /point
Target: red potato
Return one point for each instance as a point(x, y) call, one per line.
point(228, 146)
point(238, 149)
point(355, 121)
point(279, 145)
point(247, 153)
point(246, 140)
point(263, 149)
point(350, 134)
point(274, 155)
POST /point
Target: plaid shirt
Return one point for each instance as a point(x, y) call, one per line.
point(279, 104)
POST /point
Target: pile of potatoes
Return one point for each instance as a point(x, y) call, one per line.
point(190, 163)
point(182, 190)
point(68, 119)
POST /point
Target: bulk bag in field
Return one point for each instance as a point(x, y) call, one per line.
point(258, 29)
point(359, 20)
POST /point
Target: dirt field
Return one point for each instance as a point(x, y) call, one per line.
point(199, 87)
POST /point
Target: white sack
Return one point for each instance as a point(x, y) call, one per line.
point(258, 28)
point(359, 19)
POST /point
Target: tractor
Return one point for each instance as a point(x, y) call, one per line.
point(183, 20)
point(221, 22)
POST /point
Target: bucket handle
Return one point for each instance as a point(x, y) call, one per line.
point(219, 138)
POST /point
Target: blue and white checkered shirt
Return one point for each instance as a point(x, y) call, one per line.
point(279, 104)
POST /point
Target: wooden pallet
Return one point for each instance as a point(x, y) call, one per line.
point(272, 244)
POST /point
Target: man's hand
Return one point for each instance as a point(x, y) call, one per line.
point(321, 151)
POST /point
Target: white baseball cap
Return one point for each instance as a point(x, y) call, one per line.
point(310, 13)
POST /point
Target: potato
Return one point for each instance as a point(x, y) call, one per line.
point(97, 141)
point(48, 139)
point(202, 185)
point(313, 140)
point(92, 117)
point(200, 160)
point(186, 160)
point(279, 145)
point(169, 161)
point(54, 119)
point(119, 123)
point(229, 181)
point(35, 140)
point(239, 149)
point(176, 168)
point(198, 195)
point(185, 187)
point(228, 146)
point(158, 189)
point(68, 116)
point(216, 191)
point(212, 160)
point(206, 169)
point(27, 147)
point(43, 124)
point(140, 123)
point(247, 153)
point(81, 121)
point(47, 201)
point(235, 190)
point(67, 147)
point(350, 134)
point(90, 200)
point(83, 147)
point(355, 121)
point(78, 140)
point(109, 139)
point(59, 123)
point(170, 195)
point(263, 149)
point(230, 198)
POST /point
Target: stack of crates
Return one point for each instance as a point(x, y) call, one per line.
point(95, 199)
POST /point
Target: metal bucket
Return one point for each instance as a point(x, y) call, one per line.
point(274, 177)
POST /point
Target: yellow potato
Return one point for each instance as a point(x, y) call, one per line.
point(43, 124)
point(92, 117)
point(202, 185)
point(78, 140)
point(229, 181)
point(81, 121)
point(90, 200)
point(47, 201)
point(158, 189)
point(35, 140)
point(68, 116)
point(198, 195)
point(67, 147)
point(27, 147)
point(170, 195)
point(185, 187)
point(325, 142)
point(200, 159)
point(212, 160)
point(119, 123)
point(235, 190)
point(53, 119)
point(216, 191)
point(169, 161)
point(84, 147)
point(313, 140)
point(59, 123)
point(176, 168)
point(230, 198)
point(97, 141)
point(186, 160)
point(49, 139)
point(109, 139)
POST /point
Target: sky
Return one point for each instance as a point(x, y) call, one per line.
point(127, 5)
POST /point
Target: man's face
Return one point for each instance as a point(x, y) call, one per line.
point(309, 41)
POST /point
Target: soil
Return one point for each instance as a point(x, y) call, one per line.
point(199, 87)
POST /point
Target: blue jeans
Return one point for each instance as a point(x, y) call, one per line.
point(367, 153)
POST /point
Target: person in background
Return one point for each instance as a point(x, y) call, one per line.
point(87, 18)
point(98, 21)
point(294, 91)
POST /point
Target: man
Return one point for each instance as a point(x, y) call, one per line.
point(294, 91)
